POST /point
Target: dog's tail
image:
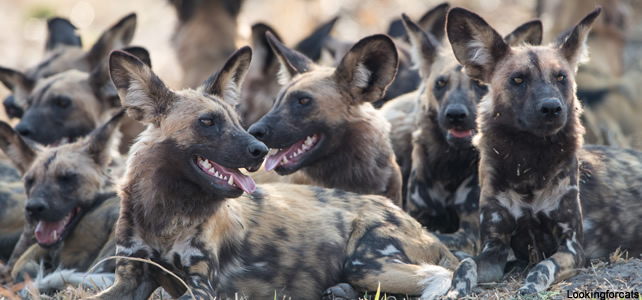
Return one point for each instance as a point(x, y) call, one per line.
point(61, 278)
point(436, 281)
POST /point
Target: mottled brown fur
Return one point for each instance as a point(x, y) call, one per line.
point(291, 240)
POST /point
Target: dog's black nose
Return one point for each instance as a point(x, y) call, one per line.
point(456, 113)
point(13, 111)
point(258, 130)
point(257, 150)
point(24, 129)
point(550, 107)
point(35, 207)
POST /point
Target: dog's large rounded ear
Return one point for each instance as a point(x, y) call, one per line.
point(20, 86)
point(292, 62)
point(98, 145)
point(475, 44)
point(102, 86)
point(61, 33)
point(19, 152)
point(529, 33)
point(312, 45)
point(116, 37)
point(141, 92)
point(572, 45)
point(434, 21)
point(263, 57)
point(368, 68)
point(227, 82)
point(424, 46)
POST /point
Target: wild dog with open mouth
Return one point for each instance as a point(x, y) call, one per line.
point(529, 137)
point(184, 207)
point(72, 201)
point(443, 189)
point(324, 125)
point(261, 84)
point(69, 105)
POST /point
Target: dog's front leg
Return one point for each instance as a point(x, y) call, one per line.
point(133, 281)
point(569, 255)
point(496, 227)
point(202, 282)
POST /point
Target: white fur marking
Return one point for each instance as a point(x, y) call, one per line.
point(389, 250)
point(462, 191)
point(495, 217)
point(436, 283)
point(361, 76)
point(283, 76)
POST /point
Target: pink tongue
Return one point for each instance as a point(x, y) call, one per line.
point(273, 160)
point(460, 133)
point(44, 231)
point(245, 182)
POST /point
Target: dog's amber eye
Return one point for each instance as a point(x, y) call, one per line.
point(304, 100)
point(560, 78)
point(62, 102)
point(207, 122)
point(518, 80)
point(441, 83)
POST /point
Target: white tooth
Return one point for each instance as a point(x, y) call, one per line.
point(285, 159)
point(55, 235)
point(300, 151)
point(211, 170)
point(272, 152)
point(215, 173)
point(231, 181)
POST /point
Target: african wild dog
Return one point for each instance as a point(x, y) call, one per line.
point(205, 36)
point(324, 125)
point(400, 110)
point(443, 189)
point(72, 201)
point(64, 52)
point(261, 85)
point(529, 135)
point(184, 207)
point(69, 105)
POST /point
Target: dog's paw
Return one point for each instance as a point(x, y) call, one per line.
point(340, 291)
point(526, 290)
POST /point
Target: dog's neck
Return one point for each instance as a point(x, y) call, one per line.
point(362, 159)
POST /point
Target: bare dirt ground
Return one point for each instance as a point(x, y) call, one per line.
point(23, 32)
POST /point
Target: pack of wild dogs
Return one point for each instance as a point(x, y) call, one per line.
point(420, 162)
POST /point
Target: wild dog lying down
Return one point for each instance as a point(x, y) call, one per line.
point(183, 206)
point(261, 86)
point(529, 138)
point(64, 52)
point(443, 189)
point(72, 201)
point(69, 105)
point(324, 125)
